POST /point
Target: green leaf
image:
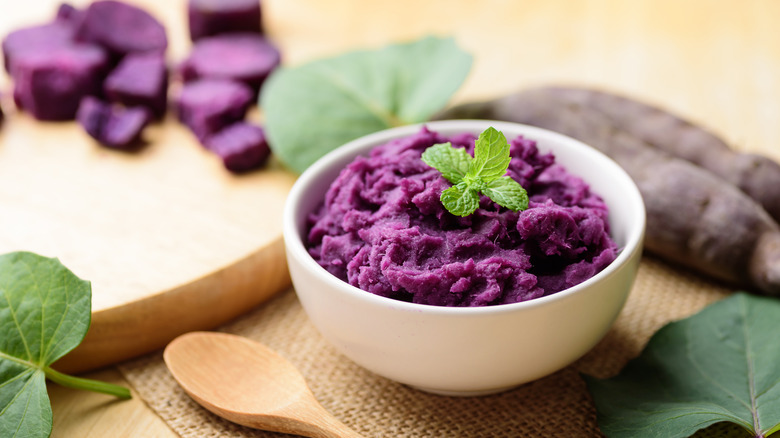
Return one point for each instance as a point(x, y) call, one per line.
point(460, 200)
point(491, 156)
point(44, 314)
point(314, 108)
point(508, 193)
point(718, 365)
point(483, 173)
point(453, 163)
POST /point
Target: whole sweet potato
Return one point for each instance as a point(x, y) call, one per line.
point(694, 217)
point(756, 175)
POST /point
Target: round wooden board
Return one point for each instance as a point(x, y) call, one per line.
point(171, 241)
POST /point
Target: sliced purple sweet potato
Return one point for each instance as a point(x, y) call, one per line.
point(121, 28)
point(243, 57)
point(214, 17)
point(207, 106)
point(140, 80)
point(50, 84)
point(111, 125)
point(242, 146)
point(35, 39)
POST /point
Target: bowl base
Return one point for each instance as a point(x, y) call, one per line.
point(475, 393)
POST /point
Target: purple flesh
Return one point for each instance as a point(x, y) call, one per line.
point(209, 105)
point(140, 80)
point(92, 115)
point(35, 39)
point(50, 84)
point(383, 228)
point(242, 57)
point(121, 28)
point(112, 126)
point(242, 146)
point(214, 17)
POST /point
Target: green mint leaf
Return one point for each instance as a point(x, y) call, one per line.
point(460, 200)
point(719, 365)
point(314, 108)
point(508, 193)
point(453, 163)
point(482, 174)
point(44, 314)
point(491, 156)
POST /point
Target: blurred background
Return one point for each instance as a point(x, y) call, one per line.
point(715, 62)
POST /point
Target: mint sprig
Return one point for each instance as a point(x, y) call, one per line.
point(484, 173)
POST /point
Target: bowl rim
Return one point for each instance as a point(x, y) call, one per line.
point(294, 241)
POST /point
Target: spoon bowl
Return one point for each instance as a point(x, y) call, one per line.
point(249, 384)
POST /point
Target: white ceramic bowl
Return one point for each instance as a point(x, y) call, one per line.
point(468, 351)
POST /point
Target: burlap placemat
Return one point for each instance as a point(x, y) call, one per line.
point(557, 405)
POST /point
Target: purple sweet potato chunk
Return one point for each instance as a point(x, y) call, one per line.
point(44, 37)
point(92, 114)
point(243, 57)
point(242, 146)
point(207, 106)
point(140, 80)
point(50, 84)
point(69, 14)
point(113, 126)
point(121, 28)
point(214, 17)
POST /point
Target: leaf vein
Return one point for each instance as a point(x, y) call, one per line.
point(697, 366)
point(751, 372)
point(376, 110)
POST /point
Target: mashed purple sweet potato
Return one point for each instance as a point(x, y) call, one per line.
point(383, 229)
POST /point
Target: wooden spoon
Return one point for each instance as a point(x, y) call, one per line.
point(247, 383)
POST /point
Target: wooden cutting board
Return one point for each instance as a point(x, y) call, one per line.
point(171, 241)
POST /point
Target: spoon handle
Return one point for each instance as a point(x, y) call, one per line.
point(323, 424)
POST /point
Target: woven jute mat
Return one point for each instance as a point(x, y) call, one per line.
point(558, 405)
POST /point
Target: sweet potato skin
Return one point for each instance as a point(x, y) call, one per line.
point(756, 175)
point(214, 17)
point(694, 217)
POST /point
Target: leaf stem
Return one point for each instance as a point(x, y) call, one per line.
point(87, 384)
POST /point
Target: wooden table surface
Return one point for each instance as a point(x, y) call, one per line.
point(717, 63)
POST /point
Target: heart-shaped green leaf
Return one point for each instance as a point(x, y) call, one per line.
point(44, 314)
point(722, 364)
point(314, 108)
